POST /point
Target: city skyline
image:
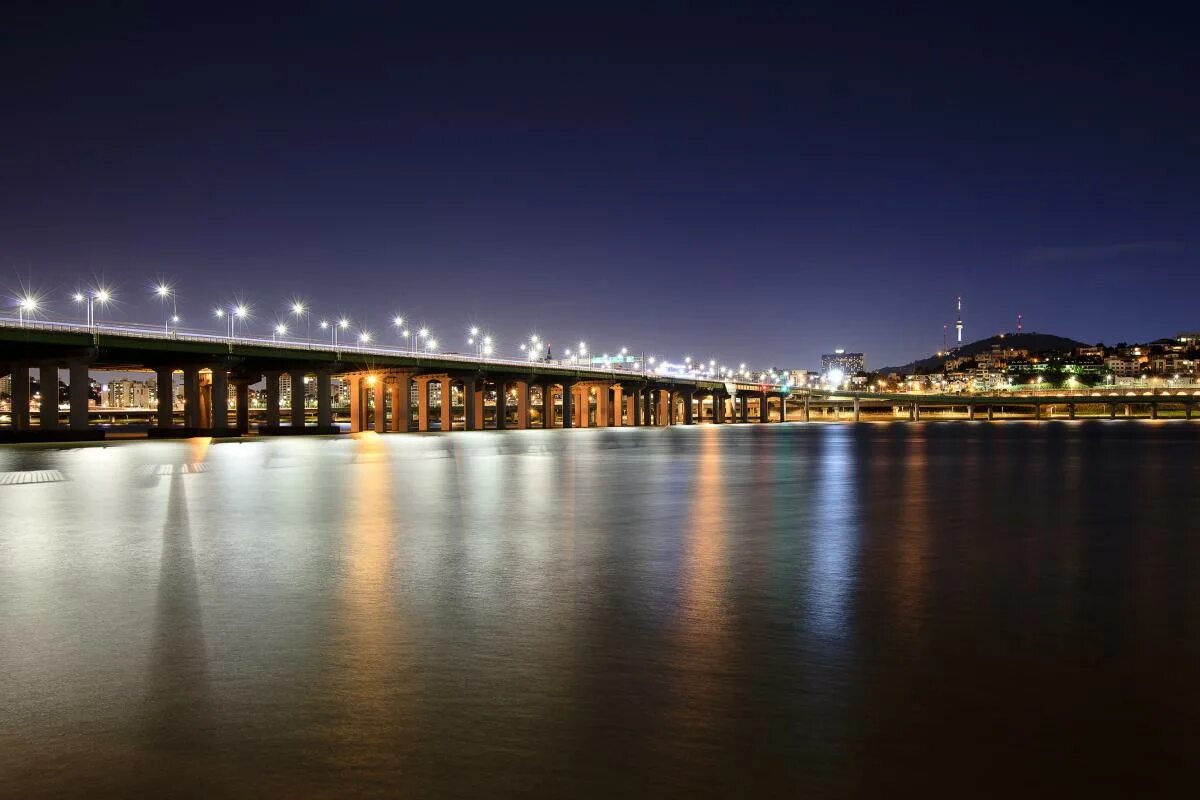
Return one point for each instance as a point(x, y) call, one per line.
point(721, 167)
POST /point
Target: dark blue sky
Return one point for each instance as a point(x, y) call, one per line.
point(762, 183)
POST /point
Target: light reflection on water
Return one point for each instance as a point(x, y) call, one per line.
point(699, 611)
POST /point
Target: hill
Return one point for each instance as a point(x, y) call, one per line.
point(1033, 342)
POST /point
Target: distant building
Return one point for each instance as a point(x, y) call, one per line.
point(6, 386)
point(126, 393)
point(841, 362)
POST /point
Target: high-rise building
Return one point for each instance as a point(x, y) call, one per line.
point(840, 365)
point(6, 385)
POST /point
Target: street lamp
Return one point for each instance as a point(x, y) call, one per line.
point(99, 294)
point(27, 304)
point(364, 338)
point(300, 311)
point(165, 292)
point(240, 311)
point(280, 331)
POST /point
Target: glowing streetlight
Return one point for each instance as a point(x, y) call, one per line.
point(164, 291)
point(26, 304)
point(364, 338)
point(280, 331)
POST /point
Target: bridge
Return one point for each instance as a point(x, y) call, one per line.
point(397, 390)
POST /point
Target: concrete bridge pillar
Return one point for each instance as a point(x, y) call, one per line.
point(662, 409)
point(191, 397)
point(242, 402)
point(219, 400)
point(472, 404)
point(579, 405)
point(354, 382)
point(718, 408)
point(547, 406)
point(165, 392)
point(501, 405)
point(324, 399)
point(401, 389)
point(48, 379)
point(20, 397)
point(857, 411)
point(783, 398)
point(764, 407)
point(1187, 410)
point(1071, 410)
point(1153, 409)
point(1037, 410)
point(297, 399)
point(618, 406)
point(688, 413)
point(807, 408)
point(77, 391)
point(991, 413)
point(1112, 410)
point(568, 407)
point(447, 416)
point(523, 405)
point(423, 404)
point(635, 408)
point(379, 393)
point(271, 382)
point(1128, 410)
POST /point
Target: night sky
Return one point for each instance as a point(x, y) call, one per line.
point(758, 184)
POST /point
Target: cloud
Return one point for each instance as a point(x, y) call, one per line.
point(1056, 254)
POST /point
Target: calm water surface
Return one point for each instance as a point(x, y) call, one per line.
point(869, 610)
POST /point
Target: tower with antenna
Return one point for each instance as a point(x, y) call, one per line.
point(958, 325)
point(1020, 322)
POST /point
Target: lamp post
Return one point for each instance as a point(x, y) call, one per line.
point(89, 300)
point(300, 311)
point(280, 331)
point(26, 304)
point(166, 292)
point(237, 312)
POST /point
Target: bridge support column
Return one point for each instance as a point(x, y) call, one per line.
point(191, 397)
point(423, 404)
point(271, 381)
point(579, 405)
point(1112, 410)
point(501, 405)
point(1037, 410)
point(523, 405)
point(219, 400)
point(568, 407)
point(1153, 410)
point(662, 408)
point(991, 414)
point(1128, 410)
point(618, 407)
point(718, 408)
point(165, 390)
point(807, 408)
point(447, 404)
point(547, 406)
point(324, 399)
point(857, 410)
point(783, 398)
point(688, 414)
point(1071, 410)
point(297, 399)
point(635, 409)
point(604, 406)
point(401, 391)
point(77, 391)
point(764, 407)
point(1187, 410)
point(472, 405)
point(48, 379)
point(914, 413)
point(20, 397)
point(971, 411)
point(242, 402)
